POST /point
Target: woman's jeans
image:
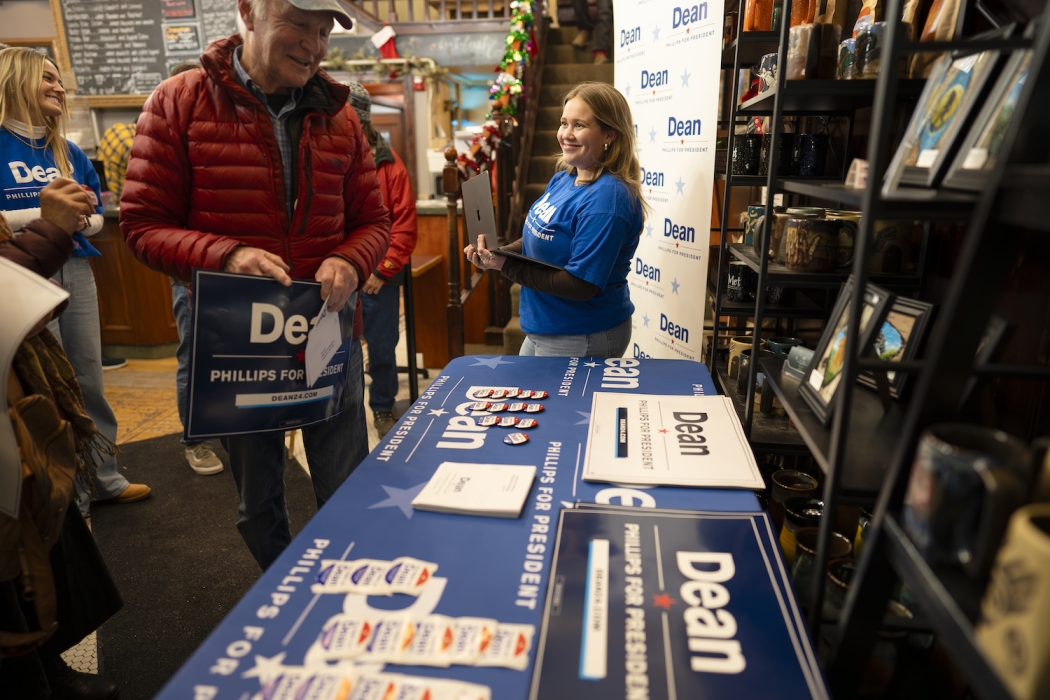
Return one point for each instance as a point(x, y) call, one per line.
point(78, 331)
point(610, 343)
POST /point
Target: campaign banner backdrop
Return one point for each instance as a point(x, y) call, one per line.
point(248, 356)
point(645, 603)
point(668, 57)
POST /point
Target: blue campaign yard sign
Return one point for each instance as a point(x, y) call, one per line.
point(247, 361)
point(672, 604)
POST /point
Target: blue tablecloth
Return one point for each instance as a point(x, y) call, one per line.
point(482, 560)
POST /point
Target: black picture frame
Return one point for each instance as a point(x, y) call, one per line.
point(957, 84)
point(821, 385)
point(909, 320)
point(977, 155)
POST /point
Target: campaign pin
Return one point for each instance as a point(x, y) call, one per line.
point(515, 407)
point(526, 423)
point(497, 407)
point(488, 421)
point(516, 439)
point(534, 408)
point(499, 393)
point(482, 393)
point(480, 406)
point(534, 394)
point(507, 421)
point(513, 393)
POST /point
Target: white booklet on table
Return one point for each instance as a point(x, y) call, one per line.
point(668, 441)
point(493, 490)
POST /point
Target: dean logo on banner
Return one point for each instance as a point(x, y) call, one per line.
point(249, 355)
point(673, 94)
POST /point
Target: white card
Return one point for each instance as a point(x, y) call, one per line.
point(497, 490)
point(321, 345)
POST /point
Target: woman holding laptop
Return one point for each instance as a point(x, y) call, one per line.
point(587, 222)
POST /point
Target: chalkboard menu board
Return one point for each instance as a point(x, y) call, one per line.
point(126, 47)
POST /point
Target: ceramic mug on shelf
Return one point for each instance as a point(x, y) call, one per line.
point(780, 296)
point(812, 154)
point(1012, 631)
point(965, 482)
point(778, 236)
point(747, 151)
point(745, 367)
point(805, 558)
point(798, 513)
point(737, 345)
point(739, 282)
point(781, 345)
point(788, 483)
point(753, 224)
point(815, 245)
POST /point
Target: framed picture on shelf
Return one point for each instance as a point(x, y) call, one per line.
point(980, 149)
point(956, 84)
point(899, 339)
point(823, 377)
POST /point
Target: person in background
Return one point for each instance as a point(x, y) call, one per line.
point(381, 294)
point(33, 112)
point(588, 222)
point(84, 590)
point(114, 149)
point(200, 454)
point(255, 164)
point(602, 29)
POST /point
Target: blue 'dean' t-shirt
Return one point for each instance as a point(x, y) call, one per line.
point(25, 171)
point(592, 231)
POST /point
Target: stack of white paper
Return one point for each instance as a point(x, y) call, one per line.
point(668, 441)
point(493, 490)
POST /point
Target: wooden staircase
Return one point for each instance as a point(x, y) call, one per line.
point(564, 67)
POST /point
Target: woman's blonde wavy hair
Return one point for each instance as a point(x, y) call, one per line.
point(21, 73)
point(613, 114)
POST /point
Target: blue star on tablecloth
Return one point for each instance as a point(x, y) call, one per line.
point(491, 363)
point(399, 498)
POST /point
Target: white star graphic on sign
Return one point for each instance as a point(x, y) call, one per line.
point(656, 33)
point(680, 184)
point(674, 286)
point(437, 412)
point(685, 78)
point(399, 498)
point(590, 364)
point(648, 230)
point(652, 135)
point(266, 669)
point(645, 320)
point(492, 362)
point(586, 418)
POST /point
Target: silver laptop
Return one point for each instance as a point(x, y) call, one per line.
point(481, 218)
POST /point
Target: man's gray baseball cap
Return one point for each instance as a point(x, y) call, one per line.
point(335, 6)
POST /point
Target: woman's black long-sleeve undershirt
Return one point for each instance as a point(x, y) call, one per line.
point(544, 279)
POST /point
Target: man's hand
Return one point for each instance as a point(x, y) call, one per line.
point(338, 280)
point(373, 284)
point(63, 202)
point(255, 261)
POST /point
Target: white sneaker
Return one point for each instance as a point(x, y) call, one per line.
point(202, 459)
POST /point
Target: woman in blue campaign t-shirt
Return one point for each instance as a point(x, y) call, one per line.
point(588, 222)
point(35, 152)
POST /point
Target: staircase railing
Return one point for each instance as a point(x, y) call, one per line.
point(431, 16)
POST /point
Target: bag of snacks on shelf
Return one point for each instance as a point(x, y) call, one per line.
point(870, 12)
point(813, 51)
point(940, 26)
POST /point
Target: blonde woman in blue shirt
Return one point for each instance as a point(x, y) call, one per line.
point(588, 222)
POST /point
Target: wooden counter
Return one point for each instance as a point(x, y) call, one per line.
point(134, 302)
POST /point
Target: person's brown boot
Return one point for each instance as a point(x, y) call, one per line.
point(384, 421)
point(583, 37)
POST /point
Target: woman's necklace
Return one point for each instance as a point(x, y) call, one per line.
point(26, 141)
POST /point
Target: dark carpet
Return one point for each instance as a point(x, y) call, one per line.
point(178, 559)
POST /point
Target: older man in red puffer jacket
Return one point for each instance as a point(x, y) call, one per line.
point(254, 163)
